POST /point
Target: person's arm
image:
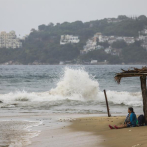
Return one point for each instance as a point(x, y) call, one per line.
point(126, 120)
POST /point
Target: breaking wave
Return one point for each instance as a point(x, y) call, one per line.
point(76, 83)
point(76, 87)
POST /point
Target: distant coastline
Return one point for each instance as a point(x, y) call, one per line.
point(121, 40)
point(99, 63)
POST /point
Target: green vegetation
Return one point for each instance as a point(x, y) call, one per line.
point(43, 45)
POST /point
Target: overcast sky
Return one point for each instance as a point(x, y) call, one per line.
point(23, 15)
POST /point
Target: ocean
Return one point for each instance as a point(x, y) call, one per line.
point(67, 89)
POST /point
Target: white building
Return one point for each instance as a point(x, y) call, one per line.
point(65, 39)
point(113, 20)
point(112, 39)
point(92, 44)
point(103, 38)
point(142, 38)
point(93, 62)
point(129, 40)
point(108, 50)
point(9, 40)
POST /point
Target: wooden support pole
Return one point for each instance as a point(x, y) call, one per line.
point(109, 115)
point(144, 95)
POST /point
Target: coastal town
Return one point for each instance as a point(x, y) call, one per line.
point(93, 43)
point(101, 42)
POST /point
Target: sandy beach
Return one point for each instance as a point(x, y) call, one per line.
point(76, 130)
point(128, 137)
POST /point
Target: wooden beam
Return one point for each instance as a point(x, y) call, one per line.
point(130, 74)
point(144, 95)
point(109, 115)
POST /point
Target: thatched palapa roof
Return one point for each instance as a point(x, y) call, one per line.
point(133, 72)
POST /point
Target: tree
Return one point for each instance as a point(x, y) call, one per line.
point(142, 17)
point(119, 44)
point(41, 27)
point(33, 30)
point(122, 17)
point(51, 24)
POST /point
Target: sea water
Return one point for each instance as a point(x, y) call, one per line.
point(67, 89)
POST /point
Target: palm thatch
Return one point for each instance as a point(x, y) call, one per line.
point(133, 72)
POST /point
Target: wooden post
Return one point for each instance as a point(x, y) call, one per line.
point(109, 115)
point(144, 95)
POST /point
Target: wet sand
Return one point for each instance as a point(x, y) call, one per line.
point(54, 130)
point(128, 137)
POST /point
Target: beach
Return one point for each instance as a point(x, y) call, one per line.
point(127, 137)
point(74, 130)
point(45, 130)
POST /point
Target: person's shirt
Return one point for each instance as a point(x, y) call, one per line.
point(133, 119)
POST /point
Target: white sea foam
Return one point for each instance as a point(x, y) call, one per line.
point(126, 98)
point(76, 82)
point(17, 133)
point(74, 85)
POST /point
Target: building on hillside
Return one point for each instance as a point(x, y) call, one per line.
point(116, 52)
point(61, 63)
point(119, 38)
point(142, 38)
point(9, 40)
point(91, 44)
point(66, 39)
point(144, 45)
point(144, 31)
point(112, 51)
point(93, 62)
point(113, 20)
point(98, 35)
point(98, 47)
point(129, 40)
point(108, 50)
point(103, 38)
point(112, 39)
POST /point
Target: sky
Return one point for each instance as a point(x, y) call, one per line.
point(23, 15)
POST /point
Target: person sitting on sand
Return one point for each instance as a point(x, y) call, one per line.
point(130, 120)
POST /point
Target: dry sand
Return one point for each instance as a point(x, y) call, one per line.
point(127, 137)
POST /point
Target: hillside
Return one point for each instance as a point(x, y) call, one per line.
point(43, 45)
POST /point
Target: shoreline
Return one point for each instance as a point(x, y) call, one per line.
point(55, 129)
point(74, 64)
point(57, 132)
point(79, 130)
